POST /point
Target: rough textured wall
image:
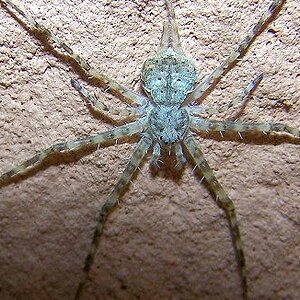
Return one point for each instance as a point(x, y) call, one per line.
point(167, 239)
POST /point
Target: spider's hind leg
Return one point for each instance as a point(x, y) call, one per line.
point(136, 159)
point(225, 203)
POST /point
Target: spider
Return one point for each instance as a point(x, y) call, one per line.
point(167, 118)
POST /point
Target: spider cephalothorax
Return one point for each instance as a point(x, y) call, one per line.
point(168, 77)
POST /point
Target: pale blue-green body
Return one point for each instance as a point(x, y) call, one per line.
point(168, 78)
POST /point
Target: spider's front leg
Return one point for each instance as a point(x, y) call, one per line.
point(75, 144)
point(135, 160)
point(108, 84)
point(224, 202)
point(236, 54)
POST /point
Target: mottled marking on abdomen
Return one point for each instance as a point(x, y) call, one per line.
point(168, 77)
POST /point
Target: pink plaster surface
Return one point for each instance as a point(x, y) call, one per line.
point(167, 239)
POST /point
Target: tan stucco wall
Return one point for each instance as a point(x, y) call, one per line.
point(168, 239)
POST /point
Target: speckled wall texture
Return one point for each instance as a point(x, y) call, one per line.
point(167, 239)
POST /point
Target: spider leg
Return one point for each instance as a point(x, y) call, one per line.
point(108, 84)
point(75, 144)
point(242, 100)
point(201, 109)
point(223, 126)
point(136, 159)
point(170, 36)
point(236, 54)
point(98, 105)
point(225, 203)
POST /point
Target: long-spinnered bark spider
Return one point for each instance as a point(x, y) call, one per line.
point(167, 117)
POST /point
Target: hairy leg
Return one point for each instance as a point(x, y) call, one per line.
point(170, 36)
point(136, 159)
point(236, 54)
point(241, 100)
point(225, 203)
point(108, 84)
point(98, 105)
point(223, 126)
point(75, 144)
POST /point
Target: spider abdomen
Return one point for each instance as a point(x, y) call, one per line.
point(168, 124)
